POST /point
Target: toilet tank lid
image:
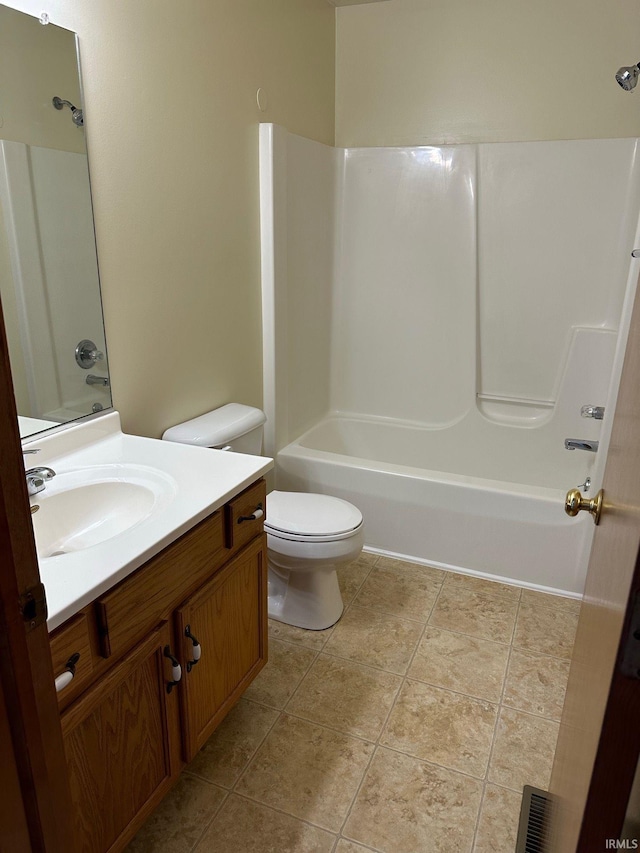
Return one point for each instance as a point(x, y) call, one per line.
point(217, 427)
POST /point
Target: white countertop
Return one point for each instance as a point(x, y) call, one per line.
point(199, 482)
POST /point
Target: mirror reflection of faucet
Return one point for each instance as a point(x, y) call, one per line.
point(581, 444)
point(87, 354)
point(92, 379)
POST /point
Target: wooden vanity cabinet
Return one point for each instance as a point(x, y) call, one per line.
point(122, 742)
point(127, 731)
point(227, 619)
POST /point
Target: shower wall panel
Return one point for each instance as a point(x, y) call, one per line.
point(27, 281)
point(298, 203)
point(405, 294)
point(311, 174)
point(62, 202)
point(556, 222)
point(50, 244)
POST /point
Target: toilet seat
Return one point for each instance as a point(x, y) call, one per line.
point(304, 517)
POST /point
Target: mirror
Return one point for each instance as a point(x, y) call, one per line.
point(49, 283)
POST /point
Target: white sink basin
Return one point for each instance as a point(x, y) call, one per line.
point(80, 509)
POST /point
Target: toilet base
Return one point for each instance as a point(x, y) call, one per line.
point(310, 599)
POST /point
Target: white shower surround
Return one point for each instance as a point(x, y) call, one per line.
point(433, 320)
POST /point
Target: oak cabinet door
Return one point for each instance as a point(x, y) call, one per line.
point(224, 624)
point(122, 743)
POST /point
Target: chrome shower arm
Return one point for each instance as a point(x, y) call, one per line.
point(77, 115)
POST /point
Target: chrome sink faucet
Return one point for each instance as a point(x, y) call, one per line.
point(37, 477)
point(581, 444)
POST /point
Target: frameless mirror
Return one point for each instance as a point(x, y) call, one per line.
point(49, 283)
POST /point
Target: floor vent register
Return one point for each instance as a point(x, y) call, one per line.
point(534, 820)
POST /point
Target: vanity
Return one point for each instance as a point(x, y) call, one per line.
point(158, 622)
point(159, 661)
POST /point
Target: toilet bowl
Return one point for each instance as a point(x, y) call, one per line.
point(308, 535)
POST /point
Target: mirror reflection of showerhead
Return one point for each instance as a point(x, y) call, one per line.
point(628, 77)
point(76, 113)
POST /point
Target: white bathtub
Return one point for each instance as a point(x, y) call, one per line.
point(495, 520)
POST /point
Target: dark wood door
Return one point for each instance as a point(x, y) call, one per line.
point(599, 739)
point(228, 619)
point(13, 820)
point(33, 770)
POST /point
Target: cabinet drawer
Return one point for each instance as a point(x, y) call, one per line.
point(70, 640)
point(240, 527)
point(129, 611)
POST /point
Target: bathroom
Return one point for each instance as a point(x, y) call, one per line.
point(171, 98)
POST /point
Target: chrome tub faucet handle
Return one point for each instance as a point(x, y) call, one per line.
point(596, 412)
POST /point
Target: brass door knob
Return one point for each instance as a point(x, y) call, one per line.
point(575, 502)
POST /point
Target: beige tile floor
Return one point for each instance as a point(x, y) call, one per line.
point(409, 727)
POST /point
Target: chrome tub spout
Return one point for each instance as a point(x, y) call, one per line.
point(581, 444)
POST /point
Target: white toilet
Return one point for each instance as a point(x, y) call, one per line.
point(308, 535)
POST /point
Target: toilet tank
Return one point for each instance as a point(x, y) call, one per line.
point(232, 427)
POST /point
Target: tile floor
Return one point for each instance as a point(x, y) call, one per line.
point(409, 727)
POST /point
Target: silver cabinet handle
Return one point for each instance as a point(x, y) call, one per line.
point(65, 678)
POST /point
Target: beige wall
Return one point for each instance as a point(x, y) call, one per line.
point(414, 72)
point(172, 132)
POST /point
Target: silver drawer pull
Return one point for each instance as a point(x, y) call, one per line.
point(65, 678)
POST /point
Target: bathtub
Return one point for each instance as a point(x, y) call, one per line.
point(430, 496)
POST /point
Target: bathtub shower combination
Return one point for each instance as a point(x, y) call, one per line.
point(434, 321)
